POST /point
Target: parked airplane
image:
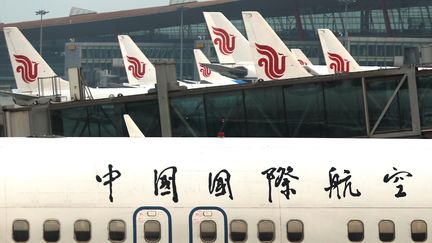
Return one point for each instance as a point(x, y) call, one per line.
point(272, 58)
point(132, 128)
point(308, 65)
point(206, 74)
point(338, 59)
point(34, 77)
point(232, 48)
point(301, 57)
point(232, 190)
point(140, 71)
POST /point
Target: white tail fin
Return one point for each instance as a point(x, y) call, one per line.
point(28, 66)
point(231, 46)
point(132, 128)
point(301, 57)
point(338, 59)
point(206, 73)
point(140, 71)
point(272, 58)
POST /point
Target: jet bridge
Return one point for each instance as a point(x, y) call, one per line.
point(383, 103)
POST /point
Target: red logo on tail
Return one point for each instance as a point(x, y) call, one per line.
point(206, 72)
point(274, 63)
point(136, 67)
point(224, 41)
point(28, 68)
point(339, 65)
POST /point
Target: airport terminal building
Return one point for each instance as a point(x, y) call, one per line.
point(384, 103)
point(379, 33)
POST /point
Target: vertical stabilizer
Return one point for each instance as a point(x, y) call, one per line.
point(206, 73)
point(338, 59)
point(272, 58)
point(28, 66)
point(132, 128)
point(301, 57)
point(230, 45)
point(140, 71)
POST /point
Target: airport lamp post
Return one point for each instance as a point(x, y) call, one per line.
point(347, 2)
point(181, 42)
point(41, 12)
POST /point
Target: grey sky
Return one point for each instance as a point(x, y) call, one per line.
point(24, 10)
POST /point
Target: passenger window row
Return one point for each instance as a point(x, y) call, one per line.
point(295, 231)
point(82, 230)
point(208, 230)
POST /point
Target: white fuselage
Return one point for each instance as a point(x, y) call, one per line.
point(38, 190)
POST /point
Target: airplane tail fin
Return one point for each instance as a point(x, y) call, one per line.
point(338, 59)
point(301, 57)
point(230, 45)
point(139, 70)
point(272, 58)
point(206, 73)
point(132, 128)
point(30, 69)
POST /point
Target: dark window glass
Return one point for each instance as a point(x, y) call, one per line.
point(265, 112)
point(344, 108)
point(386, 230)
point(398, 114)
point(152, 231)
point(355, 230)
point(418, 230)
point(295, 230)
point(20, 230)
point(208, 231)
point(266, 231)
point(225, 114)
point(82, 230)
point(305, 111)
point(117, 231)
point(51, 231)
point(238, 231)
point(188, 116)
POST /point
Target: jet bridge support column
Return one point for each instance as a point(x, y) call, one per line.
point(16, 121)
point(166, 81)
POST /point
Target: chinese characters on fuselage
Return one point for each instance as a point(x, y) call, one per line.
point(219, 184)
point(112, 176)
point(397, 177)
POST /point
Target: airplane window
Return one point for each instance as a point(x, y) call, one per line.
point(82, 230)
point(295, 230)
point(51, 230)
point(152, 231)
point(117, 230)
point(208, 231)
point(418, 230)
point(386, 230)
point(355, 230)
point(238, 231)
point(266, 231)
point(20, 230)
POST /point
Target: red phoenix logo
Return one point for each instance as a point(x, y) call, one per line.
point(136, 67)
point(206, 72)
point(224, 41)
point(303, 63)
point(339, 65)
point(28, 69)
point(274, 63)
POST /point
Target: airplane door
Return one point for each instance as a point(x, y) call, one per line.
point(152, 224)
point(208, 224)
